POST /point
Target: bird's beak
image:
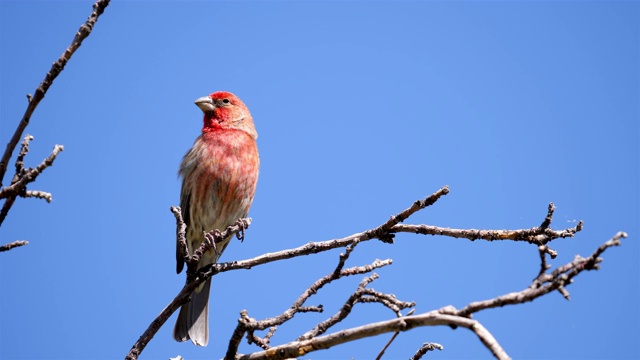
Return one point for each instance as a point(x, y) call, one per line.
point(205, 104)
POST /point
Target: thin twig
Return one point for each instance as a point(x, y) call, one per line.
point(30, 175)
point(535, 235)
point(546, 283)
point(342, 313)
point(382, 232)
point(547, 220)
point(23, 177)
point(38, 194)
point(8, 203)
point(263, 342)
point(24, 149)
point(386, 346)
point(426, 347)
point(246, 324)
point(11, 245)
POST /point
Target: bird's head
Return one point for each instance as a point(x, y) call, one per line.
point(224, 110)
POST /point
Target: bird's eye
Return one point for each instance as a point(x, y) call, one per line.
point(226, 101)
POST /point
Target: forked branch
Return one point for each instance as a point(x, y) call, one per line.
point(544, 283)
point(446, 316)
point(24, 176)
point(212, 237)
point(56, 69)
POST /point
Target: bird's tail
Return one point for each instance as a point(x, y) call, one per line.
point(193, 320)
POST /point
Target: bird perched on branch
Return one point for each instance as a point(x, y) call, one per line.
point(219, 176)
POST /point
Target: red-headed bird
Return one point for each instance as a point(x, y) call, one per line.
point(219, 176)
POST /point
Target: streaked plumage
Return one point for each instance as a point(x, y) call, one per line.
point(219, 176)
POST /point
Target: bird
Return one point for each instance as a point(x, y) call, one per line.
point(219, 177)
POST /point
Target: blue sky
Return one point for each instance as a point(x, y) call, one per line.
point(362, 108)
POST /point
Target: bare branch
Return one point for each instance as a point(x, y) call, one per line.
point(9, 246)
point(539, 235)
point(25, 176)
point(386, 346)
point(533, 235)
point(313, 340)
point(185, 293)
point(536, 235)
point(362, 295)
point(547, 220)
point(426, 347)
point(38, 194)
point(382, 232)
point(447, 315)
point(263, 342)
point(542, 251)
point(20, 172)
point(344, 311)
point(30, 175)
point(489, 341)
point(249, 325)
point(56, 69)
point(24, 149)
point(546, 283)
point(433, 318)
point(8, 203)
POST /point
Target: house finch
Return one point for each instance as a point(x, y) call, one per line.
point(219, 177)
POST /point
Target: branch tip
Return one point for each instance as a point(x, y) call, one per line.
point(426, 347)
point(11, 245)
point(547, 220)
point(564, 292)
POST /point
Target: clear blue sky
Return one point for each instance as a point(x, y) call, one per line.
point(362, 108)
